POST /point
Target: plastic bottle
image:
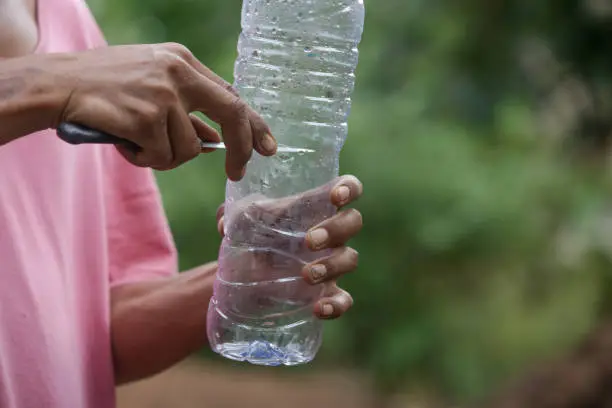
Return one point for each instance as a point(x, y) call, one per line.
point(296, 68)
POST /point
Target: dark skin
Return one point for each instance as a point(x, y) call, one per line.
point(146, 94)
point(142, 93)
point(143, 313)
point(18, 31)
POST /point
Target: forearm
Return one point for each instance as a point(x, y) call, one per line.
point(154, 325)
point(30, 96)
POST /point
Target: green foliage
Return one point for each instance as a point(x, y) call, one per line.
point(481, 248)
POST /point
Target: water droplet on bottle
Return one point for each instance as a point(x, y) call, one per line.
point(255, 53)
point(307, 49)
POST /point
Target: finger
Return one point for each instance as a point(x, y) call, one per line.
point(195, 63)
point(346, 190)
point(210, 95)
point(238, 137)
point(156, 150)
point(230, 112)
point(220, 219)
point(264, 143)
point(205, 132)
point(220, 211)
point(242, 128)
point(334, 304)
point(221, 226)
point(332, 194)
point(335, 231)
point(183, 138)
point(342, 261)
point(153, 145)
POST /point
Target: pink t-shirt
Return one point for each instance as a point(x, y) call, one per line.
point(74, 221)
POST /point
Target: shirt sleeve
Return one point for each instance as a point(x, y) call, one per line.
point(140, 244)
point(94, 38)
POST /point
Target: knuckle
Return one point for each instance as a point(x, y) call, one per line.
point(167, 58)
point(150, 115)
point(162, 159)
point(238, 109)
point(230, 88)
point(178, 49)
point(166, 95)
point(193, 149)
point(187, 149)
point(172, 64)
point(184, 157)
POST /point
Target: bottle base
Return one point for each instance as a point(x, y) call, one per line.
point(261, 353)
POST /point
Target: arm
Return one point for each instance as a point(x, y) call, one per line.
point(142, 93)
point(29, 99)
point(155, 324)
point(158, 323)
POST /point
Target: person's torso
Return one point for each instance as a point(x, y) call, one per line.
point(54, 308)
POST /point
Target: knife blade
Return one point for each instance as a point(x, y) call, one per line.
point(78, 134)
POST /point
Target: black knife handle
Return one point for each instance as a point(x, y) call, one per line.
point(76, 134)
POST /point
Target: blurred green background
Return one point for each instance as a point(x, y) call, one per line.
point(480, 130)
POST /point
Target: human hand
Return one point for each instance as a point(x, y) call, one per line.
point(146, 93)
point(331, 234)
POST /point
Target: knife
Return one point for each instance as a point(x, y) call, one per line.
point(76, 134)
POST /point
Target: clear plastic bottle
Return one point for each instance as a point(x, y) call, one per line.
point(296, 68)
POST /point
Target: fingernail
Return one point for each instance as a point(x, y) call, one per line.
point(327, 310)
point(318, 237)
point(318, 272)
point(343, 193)
point(268, 143)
